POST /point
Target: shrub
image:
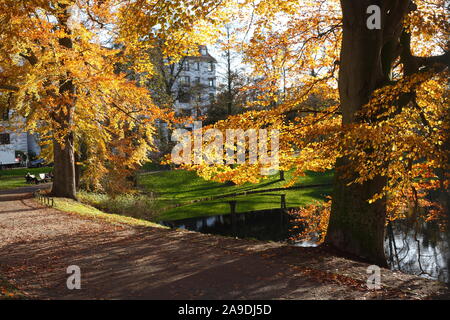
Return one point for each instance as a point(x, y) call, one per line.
point(131, 205)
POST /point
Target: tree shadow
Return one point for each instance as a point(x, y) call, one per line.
point(150, 265)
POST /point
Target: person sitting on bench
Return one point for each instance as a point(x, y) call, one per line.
point(30, 178)
point(41, 178)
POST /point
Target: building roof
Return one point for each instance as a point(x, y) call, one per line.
point(203, 57)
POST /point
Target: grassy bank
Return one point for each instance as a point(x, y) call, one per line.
point(179, 188)
point(179, 194)
point(132, 205)
point(294, 199)
point(90, 212)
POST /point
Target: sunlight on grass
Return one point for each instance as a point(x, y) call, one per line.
point(179, 187)
point(71, 206)
point(294, 199)
point(12, 183)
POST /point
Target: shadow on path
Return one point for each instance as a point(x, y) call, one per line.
point(123, 262)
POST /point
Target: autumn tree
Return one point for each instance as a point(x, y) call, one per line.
point(386, 136)
point(367, 64)
point(58, 60)
point(66, 88)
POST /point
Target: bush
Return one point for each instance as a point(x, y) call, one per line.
point(131, 205)
point(151, 166)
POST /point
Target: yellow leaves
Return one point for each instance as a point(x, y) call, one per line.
point(312, 220)
point(177, 27)
point(113, 118)
point(293, 49)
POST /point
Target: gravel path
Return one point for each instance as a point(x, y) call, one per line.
point(37, 245)
point(22, 193)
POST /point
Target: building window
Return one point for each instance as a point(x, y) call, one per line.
point(211, 67)
point(211, 97)
point(197, 80)
point(211, 83)
point(197, 66)
point(185, 81)
point(4, 115)
point(5, 139)
point(184, 65)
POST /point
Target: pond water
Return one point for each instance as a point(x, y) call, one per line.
point(271, 225)
point(421, 249)
point(416, 249)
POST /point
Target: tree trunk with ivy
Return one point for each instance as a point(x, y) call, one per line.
point(357, 226)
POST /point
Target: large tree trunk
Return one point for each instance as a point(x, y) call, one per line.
point(64, 182)
point(355, 226)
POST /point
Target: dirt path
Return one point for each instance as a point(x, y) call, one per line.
point(22, 193)
point(121, 262)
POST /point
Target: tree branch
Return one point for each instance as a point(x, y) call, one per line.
point(8, 87)
point(414, 64)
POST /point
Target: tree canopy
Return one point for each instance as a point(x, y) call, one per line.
point(384, 125)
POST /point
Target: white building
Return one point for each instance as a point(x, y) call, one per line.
point(13, 142)
point(195, 86)
point(192, 84)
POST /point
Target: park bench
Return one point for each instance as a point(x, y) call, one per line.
point(40, 178)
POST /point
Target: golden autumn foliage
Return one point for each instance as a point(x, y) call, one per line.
point(111, 117)
point(294, 49)
point(311, 222)
point(60, 61)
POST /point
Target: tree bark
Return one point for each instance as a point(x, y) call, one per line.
point(64, 181)
point(356, 226)
point(77, 171)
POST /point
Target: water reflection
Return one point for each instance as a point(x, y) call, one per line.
point(420, 249)
point(271, 225)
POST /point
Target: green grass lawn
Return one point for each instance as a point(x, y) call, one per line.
point(7, 183)
point(21, 172)
point(180, 187)
point(15, 178)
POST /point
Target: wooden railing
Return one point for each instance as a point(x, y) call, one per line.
point(43, 199)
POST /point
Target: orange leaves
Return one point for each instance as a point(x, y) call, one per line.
point(311, 222)
point(293, 49)
point(113, 118)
